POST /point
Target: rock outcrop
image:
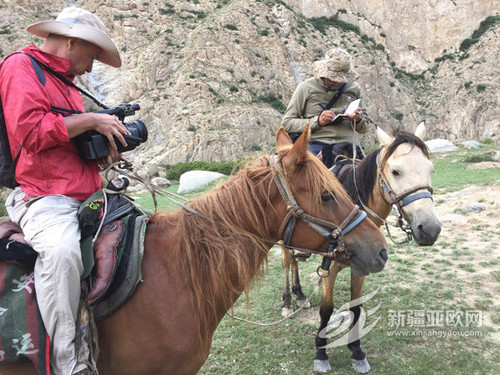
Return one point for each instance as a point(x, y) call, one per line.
point(213, 77)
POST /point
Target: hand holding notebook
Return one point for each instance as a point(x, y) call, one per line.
point(349, 111)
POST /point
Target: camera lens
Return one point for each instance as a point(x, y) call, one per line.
point(138, 129)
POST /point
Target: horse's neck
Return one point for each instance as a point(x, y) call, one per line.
point(378, 202)
point(375, 201)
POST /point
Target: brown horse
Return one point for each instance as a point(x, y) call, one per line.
point(398, 173)
point(197, 264)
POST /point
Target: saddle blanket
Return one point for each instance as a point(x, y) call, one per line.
point(22, 334)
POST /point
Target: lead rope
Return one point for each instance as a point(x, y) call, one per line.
point(316, 288)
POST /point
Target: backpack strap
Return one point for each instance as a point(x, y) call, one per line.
point(335, 98)
point(62, 78)
point(38, 67)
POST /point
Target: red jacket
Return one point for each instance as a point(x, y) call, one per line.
point(49, 162)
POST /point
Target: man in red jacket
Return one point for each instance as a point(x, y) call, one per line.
point(53, 179)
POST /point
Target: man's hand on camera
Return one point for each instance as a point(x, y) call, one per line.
point(110, 126)
point(325, 118)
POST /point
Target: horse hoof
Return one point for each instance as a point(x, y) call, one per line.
point(303, 303)
point(322, 365)
point(361, 366)
point(286, 312)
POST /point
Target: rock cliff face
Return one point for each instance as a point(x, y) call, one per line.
point(213, 77)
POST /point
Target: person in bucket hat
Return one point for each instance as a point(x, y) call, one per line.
point(319, 99)
point(79, 23)
point(53, 179)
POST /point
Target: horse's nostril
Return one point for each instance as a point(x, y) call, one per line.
point(383, 254)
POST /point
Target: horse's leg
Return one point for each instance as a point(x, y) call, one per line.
point(296, 287)
point(24, 369)
point(286, 260)
point(321, 361)
point(358, 358)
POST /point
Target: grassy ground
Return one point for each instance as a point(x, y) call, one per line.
point(457, 277)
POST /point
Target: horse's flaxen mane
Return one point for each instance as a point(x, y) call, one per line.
point(405, 137)
point(366, 170)
point(222, 255)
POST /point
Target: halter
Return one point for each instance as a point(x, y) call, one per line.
point(334, 233)
point(402, 199)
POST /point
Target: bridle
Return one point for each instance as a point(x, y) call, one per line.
point(334, 233)
point(336, 247)
point(400, 200)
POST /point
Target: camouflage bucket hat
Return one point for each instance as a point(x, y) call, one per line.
point(337, 66)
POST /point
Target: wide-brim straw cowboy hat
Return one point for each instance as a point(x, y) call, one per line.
point(337, 66)
point(79, 23)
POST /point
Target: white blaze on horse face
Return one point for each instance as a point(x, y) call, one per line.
point(407, 168)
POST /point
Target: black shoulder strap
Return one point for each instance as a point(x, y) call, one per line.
point(38, 65)
point(335, 98)
point(64, 80)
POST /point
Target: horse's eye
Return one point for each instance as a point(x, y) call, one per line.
point(394, 172)
point(325, 197)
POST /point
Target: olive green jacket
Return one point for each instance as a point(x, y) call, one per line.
point(305, 106)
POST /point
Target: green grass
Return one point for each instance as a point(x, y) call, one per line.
point(443, 277)
point(451, 173)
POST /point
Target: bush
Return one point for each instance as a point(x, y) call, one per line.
point(478, 158)
point(273, 101)
point(174, 172)
point(484, 26)
point(3, 211)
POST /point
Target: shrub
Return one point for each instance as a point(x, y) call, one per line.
point(478, 158)
point(273, 101)
point(164, 11)
point(484, 26)
point(3, 211)
point(230, 27)
point(481, 87)
point(174, 172)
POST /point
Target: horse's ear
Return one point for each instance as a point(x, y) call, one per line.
point(420, 131)
point(301, 145)
point(299, 149)
point(282, 138)
point(383, 138)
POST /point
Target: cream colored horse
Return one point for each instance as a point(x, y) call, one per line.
point(398, 173)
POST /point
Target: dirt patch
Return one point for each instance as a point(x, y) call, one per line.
point(484, 165)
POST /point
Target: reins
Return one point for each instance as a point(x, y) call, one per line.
point(334, 233)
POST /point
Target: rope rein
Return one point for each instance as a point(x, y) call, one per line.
point(316, 288)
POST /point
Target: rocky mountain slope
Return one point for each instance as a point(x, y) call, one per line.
point(213, 76)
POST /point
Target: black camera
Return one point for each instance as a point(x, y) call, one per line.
point(92, 145)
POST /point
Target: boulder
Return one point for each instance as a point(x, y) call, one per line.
point(440, 145)
point(193, 180)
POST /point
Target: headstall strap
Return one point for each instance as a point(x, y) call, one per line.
point(400, 200)
point(334, 233)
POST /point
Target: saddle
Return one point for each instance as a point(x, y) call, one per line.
point(112, 269)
